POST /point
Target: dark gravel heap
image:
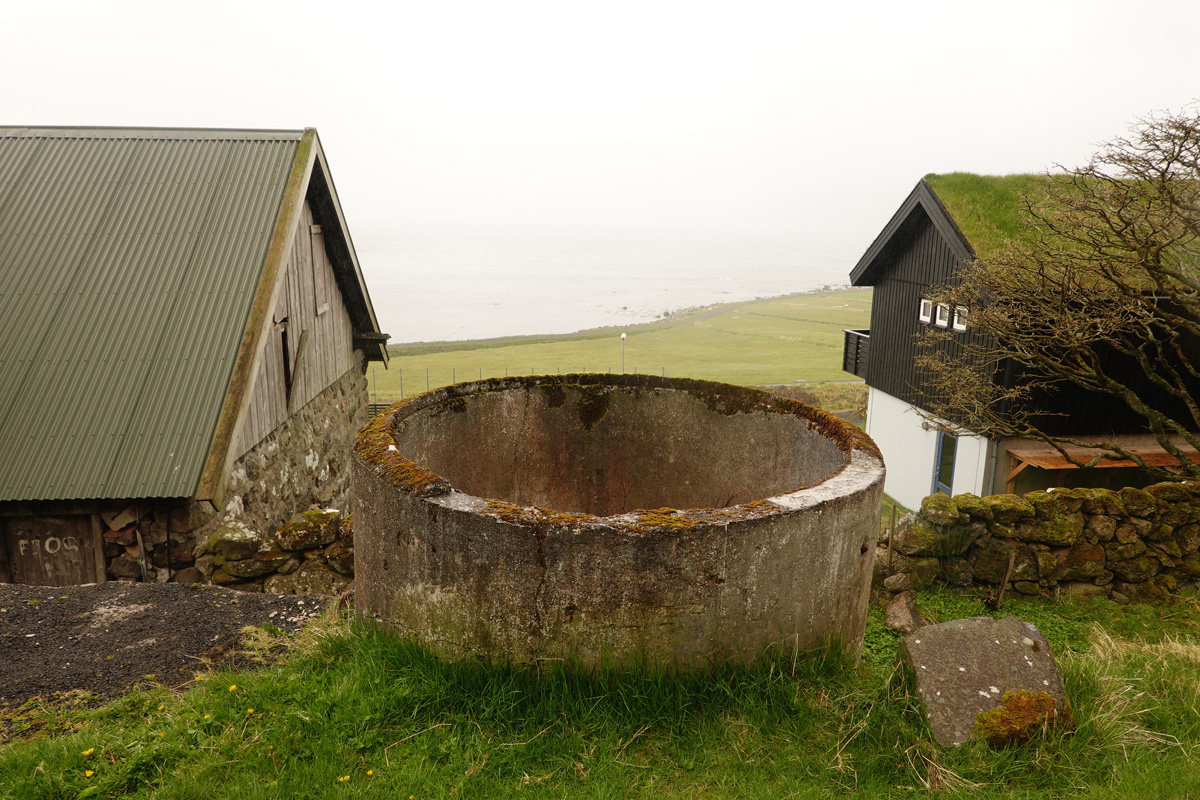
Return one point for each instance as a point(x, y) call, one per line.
point(105, 638)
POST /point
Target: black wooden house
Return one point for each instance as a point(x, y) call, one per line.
point(946, 221)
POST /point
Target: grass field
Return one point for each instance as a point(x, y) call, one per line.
point(353, 713)
point(777, 341)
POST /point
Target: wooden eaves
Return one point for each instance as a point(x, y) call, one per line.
point(1033, 454)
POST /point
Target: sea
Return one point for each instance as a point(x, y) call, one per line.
point(454, 283)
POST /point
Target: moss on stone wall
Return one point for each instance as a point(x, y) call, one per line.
point(1130, 544)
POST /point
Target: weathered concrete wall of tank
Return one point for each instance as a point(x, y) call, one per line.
point(466, 581)
point(469, 575)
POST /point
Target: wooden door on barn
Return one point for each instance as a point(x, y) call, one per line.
point(53, 551)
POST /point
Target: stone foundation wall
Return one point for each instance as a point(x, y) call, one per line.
point(303, 464)
point(313, 553)
point(1131, 544)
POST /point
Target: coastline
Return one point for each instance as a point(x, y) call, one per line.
point(670, 317)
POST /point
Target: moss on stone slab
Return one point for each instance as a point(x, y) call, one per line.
point(1138, 503)
point(1190, 565)
point(533, 516)
point(1020, 715)
point(376, 446)
point(1101, 501)
point(1053, 530)
point(940, 509)
point(920, 538)
point(1009, 508)
point(1172, 492)
point(1136, 570)
point(1081, 561)
point(973, 506)
point(309, 529)
point(1123, 551)
point(233, 540)
point(991, 560)
point(1055, 502)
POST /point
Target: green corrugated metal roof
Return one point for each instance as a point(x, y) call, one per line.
point(129, 260)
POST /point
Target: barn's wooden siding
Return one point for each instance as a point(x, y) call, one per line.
point(310, 317)
point(923, 259)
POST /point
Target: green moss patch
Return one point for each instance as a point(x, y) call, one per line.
point(376, 446)
point(1021, 715)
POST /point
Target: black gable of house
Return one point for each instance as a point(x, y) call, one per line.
point(920, 247)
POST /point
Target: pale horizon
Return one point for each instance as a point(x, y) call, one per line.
point(802, 123)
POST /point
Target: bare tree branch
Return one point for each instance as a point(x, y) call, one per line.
point(1101, 293)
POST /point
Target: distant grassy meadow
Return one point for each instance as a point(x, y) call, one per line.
point(782, 340)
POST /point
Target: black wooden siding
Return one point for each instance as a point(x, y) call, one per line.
point(918, 258)
point(922, 259)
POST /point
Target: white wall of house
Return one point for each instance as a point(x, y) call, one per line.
point(910, 449)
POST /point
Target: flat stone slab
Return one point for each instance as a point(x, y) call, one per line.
point(964, 667)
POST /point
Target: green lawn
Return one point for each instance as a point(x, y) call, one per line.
point(781, 340)
point(353, 713)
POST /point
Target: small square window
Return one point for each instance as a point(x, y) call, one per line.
point(926, 310)
point(960, 318)
point(942, 320)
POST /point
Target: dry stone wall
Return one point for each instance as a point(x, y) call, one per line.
point(1131, 544)
point(313, 553)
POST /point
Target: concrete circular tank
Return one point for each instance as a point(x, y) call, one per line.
point(614, 518)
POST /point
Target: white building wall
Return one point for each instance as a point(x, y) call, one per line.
point(909, 450)
point(970, 466)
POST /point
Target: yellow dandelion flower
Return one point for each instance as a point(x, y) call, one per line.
point(162, 708)
point(89, 751)
point(161, 735)
point(344, 778)
point(370, 772)
point(233, 687)
point(250, 711)
point(87, 773)
point(206, 716)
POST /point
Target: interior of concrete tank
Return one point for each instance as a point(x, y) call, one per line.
point(605, 449)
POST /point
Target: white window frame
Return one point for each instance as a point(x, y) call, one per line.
point(926, 310)
point(960, 318)
point(942, 316)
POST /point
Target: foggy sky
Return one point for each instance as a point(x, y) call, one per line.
point(807, 121)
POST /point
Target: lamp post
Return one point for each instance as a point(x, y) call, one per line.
point(622, 354)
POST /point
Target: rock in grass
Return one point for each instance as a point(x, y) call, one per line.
point(902, 614)
point(964, 668)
